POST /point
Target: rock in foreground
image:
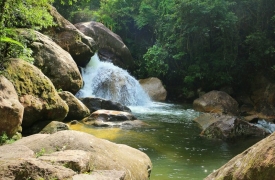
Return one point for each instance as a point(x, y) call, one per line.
point(257, 162)
point(36, 93)
point(66, 153)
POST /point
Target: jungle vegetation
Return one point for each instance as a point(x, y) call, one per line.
point(188, 44)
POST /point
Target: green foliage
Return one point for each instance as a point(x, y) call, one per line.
point(154, 61)
point(4, 139)
point(40, 153)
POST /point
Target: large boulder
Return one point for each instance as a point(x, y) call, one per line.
point(216, 102)
point(154, 88)
point(77, 110)
point(226, 127)
point(10, 108)
point(95, 104)
point(75, 152)
point(260, 100)
point(257, 162)
point(56, 63)
point(67, 36)
point(36, 93)
point(111, 46)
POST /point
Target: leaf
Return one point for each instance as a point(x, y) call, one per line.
point(10, 40)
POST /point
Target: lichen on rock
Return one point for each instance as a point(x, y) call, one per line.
point(36, 93)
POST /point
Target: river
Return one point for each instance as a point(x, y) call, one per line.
point(172, 141)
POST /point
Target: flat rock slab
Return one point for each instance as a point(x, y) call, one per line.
point(76, 160)
point(101, 175)
point(108, 115)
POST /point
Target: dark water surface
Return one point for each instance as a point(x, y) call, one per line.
point(173, 142)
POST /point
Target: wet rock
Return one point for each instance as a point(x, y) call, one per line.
point(111, 46)
point(257, 162)
point(77, 110)
point(36, 93)
point(154, 88)
point(225, 127)
point(108, 115)
point(95, 104)
point(11, 111)
point(56, 63)
point(106, 118)
point(216, 102)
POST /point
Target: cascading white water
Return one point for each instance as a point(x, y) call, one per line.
point(107, 81)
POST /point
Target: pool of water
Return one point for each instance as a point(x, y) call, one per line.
point(172, 141)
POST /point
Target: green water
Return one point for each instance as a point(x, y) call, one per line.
point(173, 142)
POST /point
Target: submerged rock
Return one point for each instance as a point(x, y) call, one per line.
point(11, 111)
point(216, 102)
point(225, 127)
point(154, 88)
point(257, 162)
point(36, 93)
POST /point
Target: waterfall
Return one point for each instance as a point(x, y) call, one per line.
point(107, 81)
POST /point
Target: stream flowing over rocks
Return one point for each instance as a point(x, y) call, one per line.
point(30, 102)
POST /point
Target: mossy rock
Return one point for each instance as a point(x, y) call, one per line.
point(36, 93)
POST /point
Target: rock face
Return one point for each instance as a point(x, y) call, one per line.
point(154, 88)
point(260, 102)
point(11, 111)
point(36, 93)
point(95, 104)
point(77, 110)
point(216, 102)
point(56, 63)
point(111, 47)
point(257, 162)
point(66, 153)
point(67, 36)
point(225, 127)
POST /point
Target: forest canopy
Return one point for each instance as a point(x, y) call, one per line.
point(189, 44)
